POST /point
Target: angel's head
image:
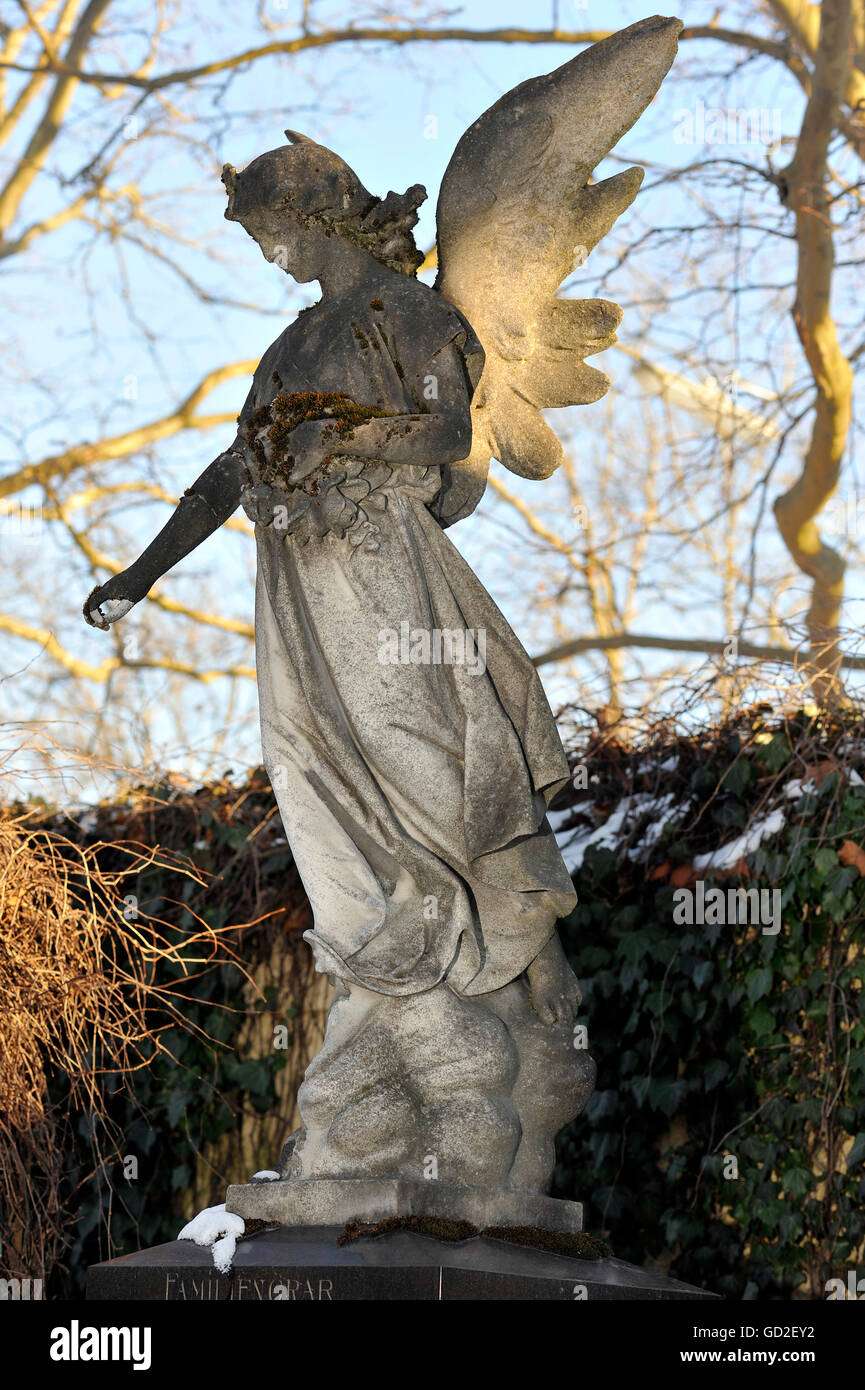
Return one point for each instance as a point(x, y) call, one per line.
point(294, 199)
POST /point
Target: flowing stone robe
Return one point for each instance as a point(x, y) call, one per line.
point(413, 792)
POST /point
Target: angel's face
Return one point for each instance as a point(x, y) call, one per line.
point(295, 248)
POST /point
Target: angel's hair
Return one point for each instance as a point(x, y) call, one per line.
point(313, 185)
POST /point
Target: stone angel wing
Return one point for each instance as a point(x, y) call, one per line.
point(515, 213)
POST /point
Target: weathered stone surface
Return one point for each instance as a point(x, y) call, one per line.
point(413, 776)
point(323, 1202)
point(480, 1086)
point(514, 211)
point(307, 1265)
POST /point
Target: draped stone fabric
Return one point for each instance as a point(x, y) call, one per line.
point(413, 784)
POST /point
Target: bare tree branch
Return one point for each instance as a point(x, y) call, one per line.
point(807, 194)
point(46, 639)
point(703, 646)
point(59, 466)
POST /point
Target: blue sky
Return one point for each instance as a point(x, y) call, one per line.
point(113, 347)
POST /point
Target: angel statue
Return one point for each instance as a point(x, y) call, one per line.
point(411, 748)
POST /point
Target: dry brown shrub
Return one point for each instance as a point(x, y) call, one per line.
point(77, 995)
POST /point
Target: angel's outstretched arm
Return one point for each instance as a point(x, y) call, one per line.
point(201, 510)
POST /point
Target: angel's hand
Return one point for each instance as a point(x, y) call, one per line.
point(107, 604)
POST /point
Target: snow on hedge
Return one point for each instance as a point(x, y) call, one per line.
point(648, 813)
point(574, 841)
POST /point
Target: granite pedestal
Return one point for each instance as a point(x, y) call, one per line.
point(305, 1264)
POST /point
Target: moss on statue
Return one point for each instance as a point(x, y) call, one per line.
point(577, 1245)
point(437, 1227)
point(276, 421)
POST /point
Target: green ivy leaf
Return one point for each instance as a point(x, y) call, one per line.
point(762, 1021)
point(176, 1106)
point(825, 860)
point(715, 1073)
point(759, 983)
point(857, 1153)
point(702, 973)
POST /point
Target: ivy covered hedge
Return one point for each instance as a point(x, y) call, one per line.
point(726, 1137)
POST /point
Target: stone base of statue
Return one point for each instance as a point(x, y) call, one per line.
point(327, 1201)
point(306, 1256)
point(307, 1264)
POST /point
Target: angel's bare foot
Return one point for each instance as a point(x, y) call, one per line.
point(555, 991)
